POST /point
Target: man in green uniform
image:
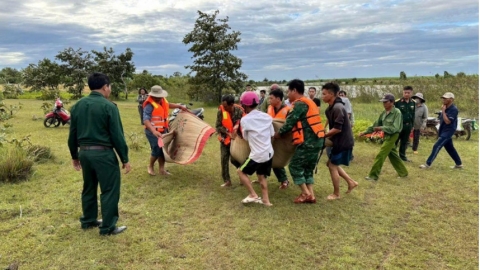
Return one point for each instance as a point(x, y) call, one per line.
point(305, 157)
point(390, 122)
point(407, 106)
point(234, 113)
point(96, 129)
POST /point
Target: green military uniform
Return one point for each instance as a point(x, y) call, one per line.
point(97, 129)
point(391, 124)
point(225, 149)
point(305, 157)
point(408, 114)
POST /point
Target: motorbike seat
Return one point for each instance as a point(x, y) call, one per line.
point(196, 111)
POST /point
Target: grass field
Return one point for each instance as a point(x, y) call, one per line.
point(186, 221)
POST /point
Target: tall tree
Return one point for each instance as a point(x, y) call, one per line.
point(119, 68)
point(77, 65)
point(403, 76)
point(10, 75)
point(45, 75)
point(214, 66)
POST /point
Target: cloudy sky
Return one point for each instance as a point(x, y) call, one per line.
point(281, 39)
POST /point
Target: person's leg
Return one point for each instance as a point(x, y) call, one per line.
point(89, 192)
point(263, 184)
point(153, 141)
point(248, 168)
point(335, 181)
point(387, 145)
point(416, 139)
point(397, 163)
point(140, 111)
point(311, 158)
point(151, 163)
point(404, 136)
point(436, 148)
point(281, 174)
point(351, 183)
point(224, 157)
point(108, 173)
point(452, 152)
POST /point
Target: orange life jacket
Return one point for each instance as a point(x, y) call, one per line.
point(314, 121)
point(228, 124)
point(281, 114)
point(159, 114)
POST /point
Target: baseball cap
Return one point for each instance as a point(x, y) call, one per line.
point(388, 97)
point(249, 99)
point(448, 95)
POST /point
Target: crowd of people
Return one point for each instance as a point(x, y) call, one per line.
point(96, 138)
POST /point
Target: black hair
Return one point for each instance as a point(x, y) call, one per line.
point(140, 90)
point(342, 92)
point(331, 87)
point(317, 102)
point(277, 93)
point(297, 85)
point(313, 89)
point(229, 99)
point(263, 91)
point(408, 87)
point(97, 80)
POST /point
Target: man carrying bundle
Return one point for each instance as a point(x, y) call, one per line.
point(308, 134)
point(228, 116)
point(278, 110)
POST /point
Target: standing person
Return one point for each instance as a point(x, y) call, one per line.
point(97, 129)
point(262, 96)
point(340, 132)
point(391, 123)
point(264, 105)
point(348, 106)
point(448, 125)
point(155, 119)
point(407, 106)
point(257, 129)
point(228, 119)
point(420, 122)
point(308, 134)
point(278, 110)
point(312, 92)
point(142, 96)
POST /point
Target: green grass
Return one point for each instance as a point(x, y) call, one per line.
point(186, 221)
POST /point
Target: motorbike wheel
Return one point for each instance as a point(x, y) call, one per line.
point(431, 132)
point(58, 122)
point(51, 121)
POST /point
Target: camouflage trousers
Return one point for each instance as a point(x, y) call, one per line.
point(303, 163)
point(224, 160)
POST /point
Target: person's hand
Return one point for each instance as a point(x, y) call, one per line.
point(443, 108)
point(183, 108)
point(233, 135)
point(276, 136)
point(157, 134)
point(377, 128)
point(76, 164)
point(361, 134)
point(127, 167)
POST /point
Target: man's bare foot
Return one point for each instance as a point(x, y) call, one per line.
point(151, 171)
point(332, 197)
point(350, 188)
point(265, 203)
point(165, 172)
point(227, 184)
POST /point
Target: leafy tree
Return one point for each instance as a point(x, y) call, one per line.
point(119, 68)
point(447, 75)
point(145, 80)
point(215, 67)
point(461, 74)
point(10, 75)
point(403, 76)
point(44, 75)
point(437, 76)
point(76, 68)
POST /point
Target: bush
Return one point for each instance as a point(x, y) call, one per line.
point(39, 153)
point(15, 165)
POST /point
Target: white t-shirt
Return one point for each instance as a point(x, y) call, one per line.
point(257, 129)
point(348, 105)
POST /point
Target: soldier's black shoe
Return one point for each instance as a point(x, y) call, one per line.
point(116, 231)
point(92, 225)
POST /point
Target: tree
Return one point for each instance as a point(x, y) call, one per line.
point(215, 67)
point(403, 76)
point(118, 68)
point(10, 75)
point(145, 80)
point(45, 75)
point(76, 68)
point(461, 74)
point(437, 76)
point(447, 75)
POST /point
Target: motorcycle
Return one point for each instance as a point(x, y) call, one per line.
point(57, 116)
point(464, 126)
point(197, 112)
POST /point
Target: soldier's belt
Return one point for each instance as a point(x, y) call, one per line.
point(95, 147)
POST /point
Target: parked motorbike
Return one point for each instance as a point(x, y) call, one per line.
point(464, 126)
point(197, 112)
point(57, 116)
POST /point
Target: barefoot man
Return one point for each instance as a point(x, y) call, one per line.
point(342, 137)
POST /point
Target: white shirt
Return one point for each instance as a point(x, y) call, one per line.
point(348, 105)
point(257, 129)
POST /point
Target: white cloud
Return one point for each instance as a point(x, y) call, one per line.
point(11, 58)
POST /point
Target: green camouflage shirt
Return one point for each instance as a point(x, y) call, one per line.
point(299, 112)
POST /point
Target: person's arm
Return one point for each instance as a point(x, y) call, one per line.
point(73, 141)
point(244, 125)
point(116, 133)
point(177, 106)
point(300, 109)
point(424, 116)
point(447, 119)
point(377, 123)
point(397, 123)
point(338, 119)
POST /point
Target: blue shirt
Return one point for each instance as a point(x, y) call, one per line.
point(447, 130)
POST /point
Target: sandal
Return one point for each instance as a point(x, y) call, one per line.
point(249, 199)
point(284, 185)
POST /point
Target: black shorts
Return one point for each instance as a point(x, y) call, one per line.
point(250, 167)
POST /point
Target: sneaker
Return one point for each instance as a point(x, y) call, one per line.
point(249, 199)
point(370, 178)
point(424, 166)
point(457, 167)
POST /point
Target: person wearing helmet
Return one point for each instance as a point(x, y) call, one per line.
point(257, 130)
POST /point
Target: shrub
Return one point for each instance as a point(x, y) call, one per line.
point(39, 153)
point(15, 165)
point(134, 141)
